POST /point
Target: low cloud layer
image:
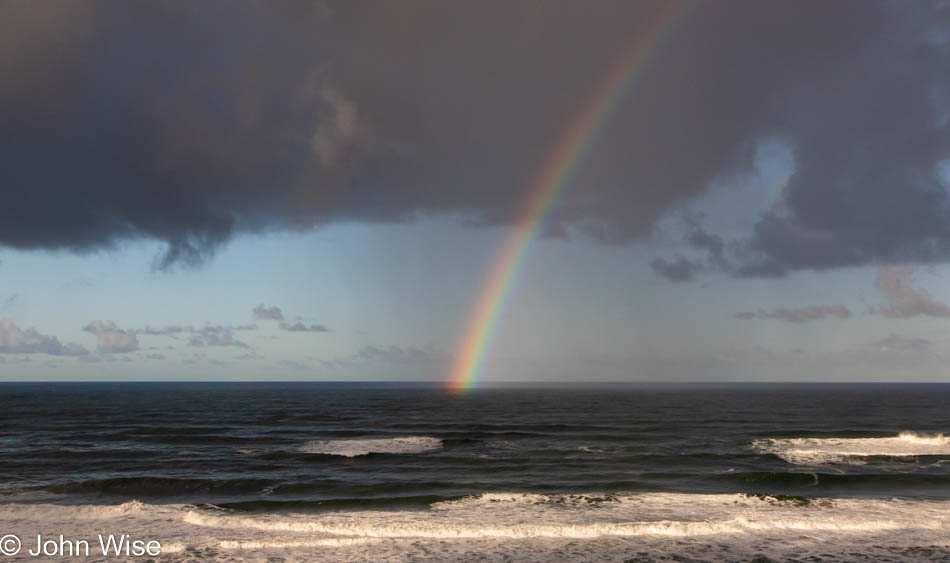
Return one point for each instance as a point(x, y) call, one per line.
point(798, 315)
point(166, 331)
point(14, 340)
point(301, 114)
point(897, 343)
point(267, 313)
point(300, 327)
point(902, 299)
point(112, 339)
point(175, 330)
point(681, 269)
point(394, 354)
point(215, 336)
point(10, 301)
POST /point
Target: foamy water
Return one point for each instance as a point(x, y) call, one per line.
point(817, 451)
point(313, 472)
point(504, 525)
point(353, 448)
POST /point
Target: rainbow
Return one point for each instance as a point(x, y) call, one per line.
point(556, 174)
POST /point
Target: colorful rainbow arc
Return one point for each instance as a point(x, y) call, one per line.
point(555, 176)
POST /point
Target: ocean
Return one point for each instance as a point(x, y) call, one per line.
point(409, 472)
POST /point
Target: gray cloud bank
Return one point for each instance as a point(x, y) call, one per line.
point(215, 336)
point(394, 354)
point(798, 315)
point(897, 343)
point(112, 339)
point(123, 121)
point(14, 340)
point(270, 313)
point(300, 327)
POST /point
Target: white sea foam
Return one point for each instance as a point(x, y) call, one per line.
point(517, 526)
point(267, 544)
point(80, 512)
point(353, 448)
point(925, 439)
point(173, 547)
point(818, 451)
point(522, 516)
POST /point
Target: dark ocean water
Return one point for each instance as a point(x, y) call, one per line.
point(282, 458)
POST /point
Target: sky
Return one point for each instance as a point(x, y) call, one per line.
point(732, 191)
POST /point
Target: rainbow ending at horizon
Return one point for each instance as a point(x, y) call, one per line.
point(555, 175)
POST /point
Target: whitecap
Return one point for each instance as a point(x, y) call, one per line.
point(854, 451)
point(353, 448)
point(515, 526)
point(527, 516)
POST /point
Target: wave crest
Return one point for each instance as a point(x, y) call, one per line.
point(925, 439)
point(353, 448)
point(526, 516)
point(507, 526)
point(854, 451)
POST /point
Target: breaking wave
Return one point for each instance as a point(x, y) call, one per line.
point(505, 526)
point(525, 516)
point(855, 451)
point(353, 448)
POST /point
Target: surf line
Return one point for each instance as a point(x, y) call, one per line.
point(554, 176)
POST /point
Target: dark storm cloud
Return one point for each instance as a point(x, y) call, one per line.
point(800, 314)
point(684, 269)
point(188, 122)
point(681, 270)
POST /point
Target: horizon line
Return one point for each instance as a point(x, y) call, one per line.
point(433, 382)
